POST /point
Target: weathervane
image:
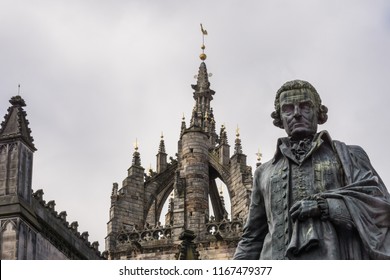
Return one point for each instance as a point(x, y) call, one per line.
point(203, 56)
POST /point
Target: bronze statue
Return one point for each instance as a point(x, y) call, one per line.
point(317, 198)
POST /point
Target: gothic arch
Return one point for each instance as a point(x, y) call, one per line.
point(161, 187)
point(216, 170)
point(7, 224)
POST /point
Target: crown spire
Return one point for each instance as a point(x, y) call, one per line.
point(202, 113)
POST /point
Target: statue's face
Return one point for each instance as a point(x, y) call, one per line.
point(299, 113)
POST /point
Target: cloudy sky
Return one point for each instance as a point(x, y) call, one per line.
point(97, 75)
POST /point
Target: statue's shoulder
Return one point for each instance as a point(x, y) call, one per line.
point(264, 168)
point(353, 151)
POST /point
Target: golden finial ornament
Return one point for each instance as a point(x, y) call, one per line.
point(259, 155)
point(237, 132)
point(203, 56)
point(136, 144)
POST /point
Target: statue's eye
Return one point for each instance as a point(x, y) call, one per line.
point(306, 106)
point(287, 108)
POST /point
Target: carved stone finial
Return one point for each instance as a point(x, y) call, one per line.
point(114, 189)
point(259, 156)
point(203, 83)
point(136, 155)
point(39, 195)
point(51, 205)
point(161, 148)
point(237, 146)
point(74, 226)
point(85, 235)
point(187, 248)
point(63, 215)
point(15, 124)
point(17, 101)
point(95, 245)
point(223, 135)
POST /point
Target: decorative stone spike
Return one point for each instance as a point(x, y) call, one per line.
point(183, 125)
point(95, 245)
point(51, 205)
point(39, 195)
point(74, 226)
point(223, 136)
point(85, 235)
point(63, 215)
point(161, 148)
point(237, 146)
point(203, 83)
point(136, 157)
point(114, 189)
point(15, 124)
point(188, 247)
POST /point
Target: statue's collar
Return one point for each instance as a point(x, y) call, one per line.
point(283, 145)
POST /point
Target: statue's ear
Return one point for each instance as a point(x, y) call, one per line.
point(277, 121)
point(322, 114)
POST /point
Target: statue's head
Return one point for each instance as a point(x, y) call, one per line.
point(298, 109)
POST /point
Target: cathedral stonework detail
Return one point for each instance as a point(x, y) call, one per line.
point(175, 212)
point(188, 185)
point(31, 228)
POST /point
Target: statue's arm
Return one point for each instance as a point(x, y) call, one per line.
point(338, 213)
point(360, 172)
point(256, 227)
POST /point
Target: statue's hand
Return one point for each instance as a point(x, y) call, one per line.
point(304, 209)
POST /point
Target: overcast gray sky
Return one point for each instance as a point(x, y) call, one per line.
point(96, 75)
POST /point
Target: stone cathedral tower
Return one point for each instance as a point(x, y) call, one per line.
point(30, 228)
point(188, 183)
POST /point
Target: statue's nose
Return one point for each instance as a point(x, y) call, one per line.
point(297, 111)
